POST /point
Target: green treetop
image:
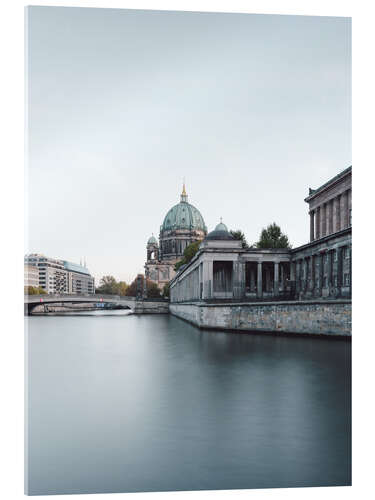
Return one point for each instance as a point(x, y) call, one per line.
point(239, 235)
point(272, 237)
point(189, 253)
point(109, 286)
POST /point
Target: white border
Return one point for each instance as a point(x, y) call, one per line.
point(12, 91)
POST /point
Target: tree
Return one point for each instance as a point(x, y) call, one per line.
point(239, 235)
point(122, 288)
point(152, 288)
point(108, 285)
point(166, 290)
point(272, 237)
point(189, 253)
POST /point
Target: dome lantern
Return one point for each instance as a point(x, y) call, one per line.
point(184, 197)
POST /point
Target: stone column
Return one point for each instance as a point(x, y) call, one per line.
point(306, 264)
point(346, 210)
point(312, 232)
point(259, 281)
point(207, 279)
point(329, 271)
point(342, 211)
point(324, 220)
point(312, 280)
point(321, 272)
point(329, 217)
point(276, 279)
point(339, 270)
point(317, 221)
point(338, 215)
point(335, 214)
point(298, 275)
point(349, 207)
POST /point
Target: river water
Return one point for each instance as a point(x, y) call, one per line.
point(150, 403)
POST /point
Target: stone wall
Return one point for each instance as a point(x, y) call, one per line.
point(151, 307)
point(313, 317)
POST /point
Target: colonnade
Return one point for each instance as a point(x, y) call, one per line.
point(331, 216)
point(322, 273)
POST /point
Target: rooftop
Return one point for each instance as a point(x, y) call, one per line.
point(314, 192)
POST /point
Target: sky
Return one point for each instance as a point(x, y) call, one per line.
point(251, 110)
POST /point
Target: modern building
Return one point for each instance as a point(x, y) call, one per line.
point(182, 225)
point(58, 276)
point(31, 276)
point(321, 269)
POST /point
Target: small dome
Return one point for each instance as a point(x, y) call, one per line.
point(221, 227)
point(220, 233)
point(152, 241)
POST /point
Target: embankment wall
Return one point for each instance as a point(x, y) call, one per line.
point(297, 317)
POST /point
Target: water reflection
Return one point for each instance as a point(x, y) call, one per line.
point(151, 403)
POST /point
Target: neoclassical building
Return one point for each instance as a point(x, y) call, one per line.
point(320, 269)
point(182, 225)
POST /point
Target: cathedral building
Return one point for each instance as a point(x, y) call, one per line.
point(182, 225)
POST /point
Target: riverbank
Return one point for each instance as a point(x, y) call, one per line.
point(332, 318)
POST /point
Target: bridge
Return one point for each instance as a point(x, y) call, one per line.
point(138, 306)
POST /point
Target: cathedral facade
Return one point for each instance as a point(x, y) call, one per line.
point(182, 225)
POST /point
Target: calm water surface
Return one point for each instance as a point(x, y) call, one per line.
point(150, 403)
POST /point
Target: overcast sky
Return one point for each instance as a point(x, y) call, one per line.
point(251, 109)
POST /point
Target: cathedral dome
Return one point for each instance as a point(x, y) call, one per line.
point(219, 233)
point(183, 216)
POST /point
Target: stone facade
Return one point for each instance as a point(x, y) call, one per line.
point(330, 206)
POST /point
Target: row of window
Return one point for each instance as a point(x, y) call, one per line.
point(346, 281)
point(345, 254)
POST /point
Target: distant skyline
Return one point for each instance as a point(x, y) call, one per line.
point(251, 110)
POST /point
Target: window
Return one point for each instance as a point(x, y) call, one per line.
point(335, 280)
point(346, 279)
point(325, 281)
point(335, 255)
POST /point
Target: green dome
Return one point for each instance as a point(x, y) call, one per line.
point(221, 227)
point(220, 233)
point(183, 216)
point(152, 240)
